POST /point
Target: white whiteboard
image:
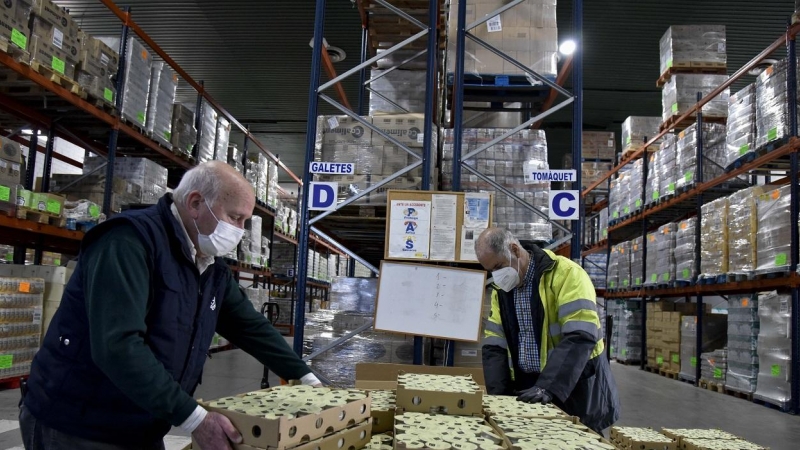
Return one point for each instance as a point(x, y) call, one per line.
point(425, 300)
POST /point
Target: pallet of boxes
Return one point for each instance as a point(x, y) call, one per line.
point(11, 174)
point(54, 44)
point(14, 33)
point(664, 336)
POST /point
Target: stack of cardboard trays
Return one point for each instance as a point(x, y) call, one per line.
point(698, 439)
point(598, 145)
point(14, 32)
point(685, 46)
point(21, 316)
point(97, 63)
point(664, 334)
point(54, 39)
point(630, 438)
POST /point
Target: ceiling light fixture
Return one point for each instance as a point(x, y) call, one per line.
point(567, 47)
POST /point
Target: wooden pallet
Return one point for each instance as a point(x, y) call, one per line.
point(699, 68)
point(631, 150)
point(672, 375)
point(59, 79)
point(739, 394)
point(673, 124)
point(41, 217)
point(17, 53)
point(134, 125)
point(712, 386)
point(101, 103)
point(627, 363)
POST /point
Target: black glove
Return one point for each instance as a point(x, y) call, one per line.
point(535, 395)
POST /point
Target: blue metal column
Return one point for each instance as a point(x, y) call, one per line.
point(198, 121)
point(428, 144)
point(33, 151)
point(311, 132)
point(458, 94)
point(577, 121)
point(795, 215)
point(362, 74)
point(698, 178)
point(112, 139)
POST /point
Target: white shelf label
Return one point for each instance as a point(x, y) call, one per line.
point(58, 38)
point(494, 24)
point(420, 138)
point(610, 143)
point(333, 122)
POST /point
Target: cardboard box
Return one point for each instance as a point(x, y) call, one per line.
point(59, 37)
point(43, 52)
point(55, 15)
point(451, 403)
point(10, 164)
point(406, 128)
point(352, 438)
point(96, 57)
point(14, 29)
point(468, 354)
point(384, 376)
point(51, 204)
point(284, 433)
point(344, 130)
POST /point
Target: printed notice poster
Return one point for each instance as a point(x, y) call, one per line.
point(476, 210)
point(409, 230)
point(443, 227)
point(443, 244)
point(444, 211)
point(468, 238)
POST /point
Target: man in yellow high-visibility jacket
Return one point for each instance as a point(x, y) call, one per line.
point(542, 341)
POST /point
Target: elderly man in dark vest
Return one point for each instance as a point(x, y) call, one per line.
point(125, 350)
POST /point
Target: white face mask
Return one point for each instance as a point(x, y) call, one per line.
point(224, 238)
point(506, 278)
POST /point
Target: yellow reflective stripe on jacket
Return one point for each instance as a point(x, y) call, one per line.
point(493, 332)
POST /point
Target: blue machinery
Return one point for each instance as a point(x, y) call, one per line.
point(429, 31)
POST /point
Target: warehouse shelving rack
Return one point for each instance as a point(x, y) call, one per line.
point(689, 203)
point(405, 32)
point(38, 103)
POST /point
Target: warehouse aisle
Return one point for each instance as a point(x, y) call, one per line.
point(647, 400)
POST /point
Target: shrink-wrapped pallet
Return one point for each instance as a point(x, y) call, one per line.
point(626, 336)
point(163, 87)
point(685, 246)
point(667, 166)
point(651, 275)
point(208, 131)
point(684, 46)
point(774, 349)
point(612, 280)
point(679, 94)
point(637, 130)
point(714, 238)
point(637, 262)
point(652, 194)
point(625, 264)
point(135, 92)
point(772, 107)
point(741, 125)
point(714, 159)
point(773, 239)
point(743, 326)
point(634, 182)
point(665, 244)
point(616, 197)
point(742, 230)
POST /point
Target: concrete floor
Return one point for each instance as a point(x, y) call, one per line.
point(647, 400)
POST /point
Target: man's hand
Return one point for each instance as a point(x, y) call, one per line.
point(535, 395)
point(216, 433)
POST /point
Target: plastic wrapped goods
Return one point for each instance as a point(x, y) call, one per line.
point(714, 158)
point(773, 239)
point(637, 262)
point(685, 266)
point(652, 193)
point(613, 268)
point(743, 230)
point(354, 294)
point(665, 245)
point(626, 337)
point(634, 181)
point(693, 46)
point(679, 94)
point(163, 86)
point(184, 134)
point(149, 175)
point(714, 238)
point(98, 63)
point(208, 131)
point(397, 91)
point(667, 164)
point(714, 366)
point(637, 130)
point(625, 265)
point(598, 145)
point(772, 113)
point(741, 126)
point(743, 326)
point(714, 337)
point(222, 140)
point(651, 276)
point(136, 91)
point(21, 302)
point(616, 197)
point(774, 349)
point(595, 266)
point(528, 31)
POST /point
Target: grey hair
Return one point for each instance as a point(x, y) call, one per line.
point(497, 241)
point(204, 179)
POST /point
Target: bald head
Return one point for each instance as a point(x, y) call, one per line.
point(495, 241)
point(215, 181)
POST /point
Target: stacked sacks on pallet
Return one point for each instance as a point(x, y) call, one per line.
point(742, 232)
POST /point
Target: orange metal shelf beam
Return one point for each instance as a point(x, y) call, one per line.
point(793, 280)
point(39, 228)
point(566, 69)
point(780, 42)
point(597, 248)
